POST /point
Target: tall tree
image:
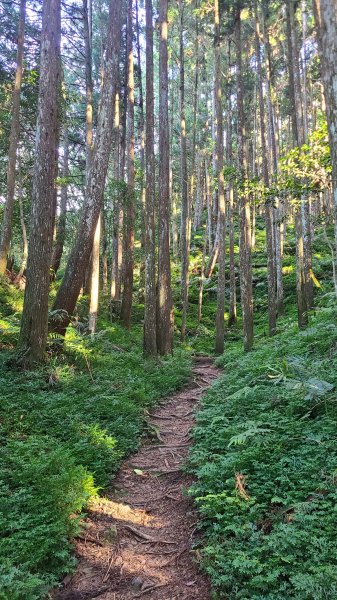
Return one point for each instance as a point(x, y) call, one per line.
point(150, 341)
point(220, 322)
point(246, 286)
point(69, 290)
point(326, 21)
point(185, 204)
point(164, 299)
point(297, 133)
point(269, 209)
point(6, 231)
point(34, 323)
point(129, 219)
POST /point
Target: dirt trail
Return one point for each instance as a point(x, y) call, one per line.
point(138, 540)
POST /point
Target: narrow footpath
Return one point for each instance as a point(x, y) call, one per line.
point(138, 540)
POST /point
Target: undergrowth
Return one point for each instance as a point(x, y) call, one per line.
point(265, 457)
point(64, 430)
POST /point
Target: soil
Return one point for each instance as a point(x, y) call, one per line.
point(138, 541)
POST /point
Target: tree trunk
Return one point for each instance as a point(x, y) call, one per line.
point(219, 321)
point(77, 263)
point(141, 129)
point(150, 341)
point(246, 287)
point(269, 212)
point(129, 220)
point(164, 300)
point(19, 279)
point(326, 21)
point(34, 323)
point(94, 285)
point(297, 132)
point(6, 232)
point(185, 204)
point(62, 219)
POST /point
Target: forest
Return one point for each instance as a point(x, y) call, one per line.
point(168, 299)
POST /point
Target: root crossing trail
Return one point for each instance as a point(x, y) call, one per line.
point(138, 540)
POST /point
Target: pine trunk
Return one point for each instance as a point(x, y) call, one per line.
point(34, 324)
point(164, 300)
point(6, 232)
point(150, 341)
point(246, 287)
point(129, 220)
point(220, 321)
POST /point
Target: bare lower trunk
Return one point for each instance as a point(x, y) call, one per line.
point(220, 321)
point(202, 276)
point(150, 341)
point(19, 279)
point(6, 231)
point(62, 218)
point(129, 221)
point(164, 300)
point(94, 280)
point(246, 288)
point(34, 323)
point(297, 132)
point(269, 211)
point(185, 204)
point(232, 278)
point(326, 21)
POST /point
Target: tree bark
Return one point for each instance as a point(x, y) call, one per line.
point(164, 299)
point(246, 287)
point(326, 22)
point(185, 204)
point(219, 321)
point(297, 132)
point(94, 285)
point(62, 219)
point(150, 341)
point(269, 212)
point(34, 324)
point(129, 220)
point(77, 263)
point(6, 232)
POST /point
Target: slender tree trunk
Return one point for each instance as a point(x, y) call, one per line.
point(246, 286)
point(34, 323)
point(220, 321)
point(199, 195)
point(62, 219)
point(326, 22)
point(114, 288)
point(129, 231)
point(297, 131)
point(104, 236)
point(185, 205)
point(77, 263)
point(6, 232)
point(19, 279)
point(269, 215)
point(202, 277)
point(232, 278)
point(88, 85)
point(164, 300)
point(209, 208)
point(94, 286)
point(150, 341)
point(141, 129)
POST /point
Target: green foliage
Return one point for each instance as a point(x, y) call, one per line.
point(64, 430)
point(265, 458)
